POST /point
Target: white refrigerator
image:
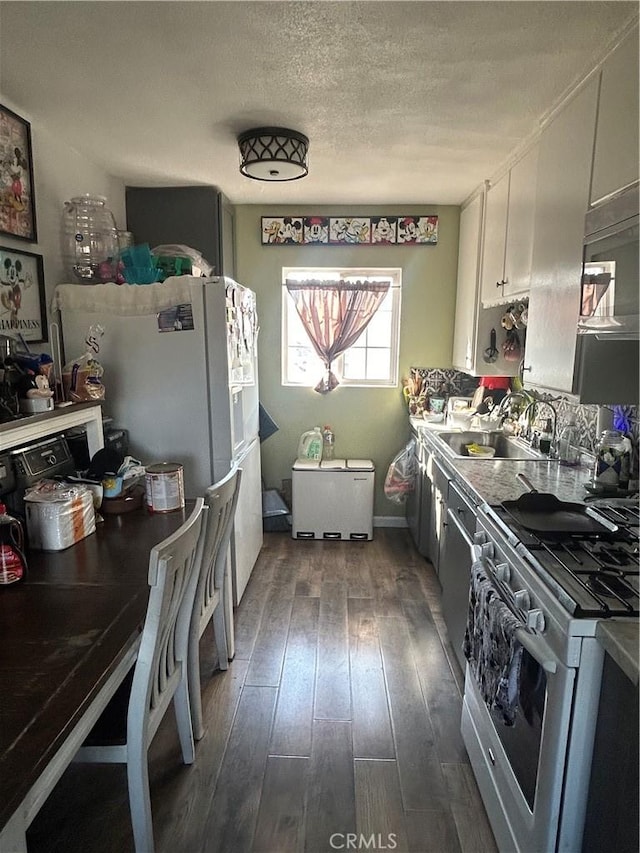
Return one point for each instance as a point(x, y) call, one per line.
point(180, 373)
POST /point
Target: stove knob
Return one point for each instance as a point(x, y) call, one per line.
point(488, 550)
point(503, 572)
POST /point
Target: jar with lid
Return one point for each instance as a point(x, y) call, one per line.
point(568, 446)
point(90, 242)
point(613, 461)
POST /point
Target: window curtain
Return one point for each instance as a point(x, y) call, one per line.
point(334, 315)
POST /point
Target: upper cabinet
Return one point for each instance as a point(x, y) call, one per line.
point(199, 217)
point(615, 161)
point(473, 323)
point(508, 240)
point(588, 152)
point(464, 335)
point(564, 171)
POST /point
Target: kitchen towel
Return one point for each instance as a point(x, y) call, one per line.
point(491, 645)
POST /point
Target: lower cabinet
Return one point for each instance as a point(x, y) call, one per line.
point(439, 479)
point(418, 506)
point(455, 566)
point(612, 820)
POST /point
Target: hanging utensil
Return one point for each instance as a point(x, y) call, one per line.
point(512, 348)
point(491, 353)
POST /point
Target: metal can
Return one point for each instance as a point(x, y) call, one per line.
point(164, 486)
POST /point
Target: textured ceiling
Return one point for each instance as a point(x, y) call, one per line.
point(403, 102)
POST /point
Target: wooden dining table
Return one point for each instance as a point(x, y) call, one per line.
point(69, 633)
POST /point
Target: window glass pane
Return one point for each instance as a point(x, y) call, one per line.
point(378, 361)
point(379, 329)
point(355, 363)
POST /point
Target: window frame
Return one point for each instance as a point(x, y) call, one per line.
point(345, 273)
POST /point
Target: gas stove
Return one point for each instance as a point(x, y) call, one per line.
point(594, 575)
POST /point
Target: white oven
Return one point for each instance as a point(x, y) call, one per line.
point(533, 775)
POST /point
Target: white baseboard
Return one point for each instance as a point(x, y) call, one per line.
point(389, 521)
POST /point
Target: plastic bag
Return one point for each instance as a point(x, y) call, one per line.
point(199, 265)
point(82, 377)
point(401, 476)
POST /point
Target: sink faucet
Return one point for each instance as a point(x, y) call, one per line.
point(529, 415)
point(506, 400)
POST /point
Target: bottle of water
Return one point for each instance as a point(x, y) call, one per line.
point(328, 443)
point(568, 449)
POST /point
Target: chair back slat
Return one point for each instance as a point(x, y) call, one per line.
point(163, 646)
point(220, 507)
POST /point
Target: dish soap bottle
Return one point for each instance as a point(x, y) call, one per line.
point(13, 563)
point(568, 448)
point(310, 446)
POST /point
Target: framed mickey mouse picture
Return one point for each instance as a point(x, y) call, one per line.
point(23, 309)
point(17, 202)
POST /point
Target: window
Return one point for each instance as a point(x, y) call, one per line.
point(372, 361)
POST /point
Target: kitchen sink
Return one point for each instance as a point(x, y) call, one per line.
point(455, 444)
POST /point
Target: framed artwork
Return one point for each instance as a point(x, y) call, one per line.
point(349, 230)
point(23, 307)
point(281, 230)
point(381, 230)
point(316, 229)
point(384, 230)
point(17, 202)
point(418, 229)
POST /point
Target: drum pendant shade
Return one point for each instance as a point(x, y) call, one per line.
point(273, 154)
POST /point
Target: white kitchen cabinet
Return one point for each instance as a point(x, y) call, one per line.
point(473, 323)
point(564, 171)
point(508, 238)
point(615, 161)
point(520, 225)
point(467, 302)
point(495, 241)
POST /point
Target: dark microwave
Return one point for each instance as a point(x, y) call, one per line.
point(609, 287)
point(607, 351)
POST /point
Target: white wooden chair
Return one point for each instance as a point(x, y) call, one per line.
point(211, 595)
point(159, 675)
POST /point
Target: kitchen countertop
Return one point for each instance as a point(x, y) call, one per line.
point(620, 639)
point(494, 480)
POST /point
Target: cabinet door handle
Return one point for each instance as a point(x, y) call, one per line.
point(524, 367)
point(499, 283)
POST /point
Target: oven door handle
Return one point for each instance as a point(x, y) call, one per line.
point(538, 649)
point(528, 639)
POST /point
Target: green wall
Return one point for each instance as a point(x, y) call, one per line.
point(369, 423)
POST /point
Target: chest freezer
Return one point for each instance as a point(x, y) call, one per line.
point(332, 500)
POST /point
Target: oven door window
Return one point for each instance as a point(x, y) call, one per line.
point(522, 741)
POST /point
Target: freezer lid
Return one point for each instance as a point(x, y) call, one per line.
point(360, 465)
point(306, 465)
point(334, 464)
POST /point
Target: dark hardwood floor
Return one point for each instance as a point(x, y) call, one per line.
point(339, 714)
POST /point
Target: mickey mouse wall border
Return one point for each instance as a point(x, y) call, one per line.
point(349, 230)
point(22, 298)
point(17, 199)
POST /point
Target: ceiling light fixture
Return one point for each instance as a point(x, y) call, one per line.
point(273, 154)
